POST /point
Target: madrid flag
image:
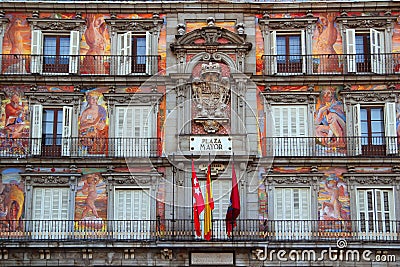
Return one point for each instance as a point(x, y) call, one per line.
point(234, 205)
point(198, 201)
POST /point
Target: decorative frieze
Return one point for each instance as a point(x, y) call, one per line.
point(135, 25)
point(57, 25)
point(292, 97)
point(370, 96)
point(270, 24)
point(53, 97)
point(376, 179)
point(366, 22)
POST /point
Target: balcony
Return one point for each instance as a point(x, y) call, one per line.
point(108, 65)
point(332, 64)
point(378, 146)
point(82, 147)
point(182, 230)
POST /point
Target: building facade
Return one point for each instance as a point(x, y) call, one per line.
point(109, 109)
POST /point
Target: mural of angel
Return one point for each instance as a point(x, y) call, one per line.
point(334, 190)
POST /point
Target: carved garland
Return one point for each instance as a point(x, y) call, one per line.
point(293, 179)
point(287, 23)
point(137, 98)
point(289, 98)
point(372, 179)
point(49, 179)
point(370, 96)
point(366, 22)
point(135, 25)
point(135, 179)
point(54, 98)
point(57, 25)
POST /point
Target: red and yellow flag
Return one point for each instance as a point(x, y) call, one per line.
point(209, 206)
point(198, 201)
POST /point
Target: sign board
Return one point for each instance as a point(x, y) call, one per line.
point(211, 143)
point(202, 258)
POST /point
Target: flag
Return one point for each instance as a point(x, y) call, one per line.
point(198, 204)
point(234, 205)
point(209, 206)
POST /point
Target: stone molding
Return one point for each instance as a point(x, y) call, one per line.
point(57, 25)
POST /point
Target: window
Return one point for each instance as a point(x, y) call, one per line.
point(132, 212)
point(53, 53)
point(134, 129)
point(375, 210)
point(365, 51)
point(50, 211)
point(288, 49)
point(290, 130)
point(292, 210)
point(134, 54)
point(375, 129)
point(51, 131)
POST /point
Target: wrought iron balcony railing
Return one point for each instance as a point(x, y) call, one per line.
point(24, 64)
point(332, 64)
point(376, 146)
point(182, 230)
point(84, 147)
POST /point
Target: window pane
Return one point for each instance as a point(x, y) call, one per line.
point(376, 114)
point(50, 45)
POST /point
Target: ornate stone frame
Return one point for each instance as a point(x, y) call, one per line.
point(129, 180)
point(44, 179)
point(137, 99)
point(372, 180)
point(301, 180)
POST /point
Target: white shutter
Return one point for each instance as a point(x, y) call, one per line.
point(133, 209)
point(356, 147)
point(291, 130)
point(273, 60)
point(120, 55)
point(377, 57)
point(351, 50)
point(292, 203)
point(128, 52)
point(390, 128)
point(36, 129)
point(50, 203)
point(66, 132)
point(303, 51)
point(150, 60)
point(36, 51)
point(74, 42)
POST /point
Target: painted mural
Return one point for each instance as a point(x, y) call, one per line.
point(91, 202)
point(330, 121)
point(12, 199)
point(14, 124)
point(95, 42)
point(93, 123)
point(259, 46)
point(327, 44)
point(333, 201)
point(16, 42)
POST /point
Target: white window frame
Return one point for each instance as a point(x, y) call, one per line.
point(377, 48)
point(37, 45)
point(37, 133)
point(125, 53)
point(378, 229)
point(390, 128)
point(289, 140)
point(273, 51)
point(130, 147)
point(45, 224)
point(128, 228)
point(292, 227)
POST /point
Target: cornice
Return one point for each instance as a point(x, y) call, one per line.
point(293, 179)
point(372, 178)
point(138, 179)
point(56, 25)
point(49, 178)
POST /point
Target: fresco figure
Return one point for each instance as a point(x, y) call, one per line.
point(333, 207)
point(93, 128)
point(334, 200)
point(15, 117)
point(15, 63)
point(96, 40)
point(330, 120)
point(90, 189)
point(329, 61)
point(12, 203)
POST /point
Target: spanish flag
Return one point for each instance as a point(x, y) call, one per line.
point(209, 206)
